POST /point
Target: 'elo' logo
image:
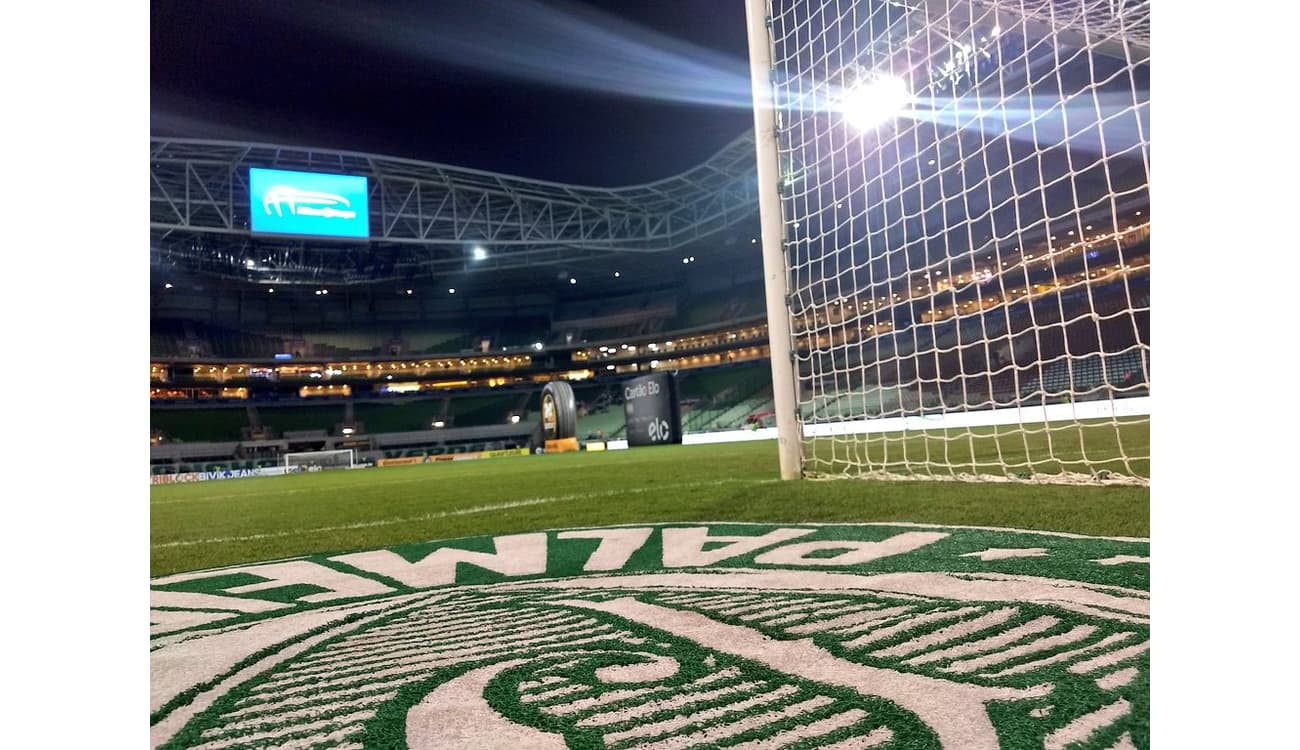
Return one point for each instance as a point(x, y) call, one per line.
point(659, 431)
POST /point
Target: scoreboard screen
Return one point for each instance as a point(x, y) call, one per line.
point(651, 409)
point(308, 203)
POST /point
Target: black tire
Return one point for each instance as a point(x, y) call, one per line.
point(566, 409)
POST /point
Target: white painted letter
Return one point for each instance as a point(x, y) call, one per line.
point(340, 586)
point(854, 552)
point(684, 548)
point(516, 555)
point(616, 546)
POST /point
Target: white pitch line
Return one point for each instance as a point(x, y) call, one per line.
point(275, 493)
point(448, 513)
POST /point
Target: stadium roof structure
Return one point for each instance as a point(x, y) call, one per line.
point(426, 219)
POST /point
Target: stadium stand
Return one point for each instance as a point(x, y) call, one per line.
point(303, 419)
point(211, 425)
point(406, 415)
point(741, 304)
point(219, 412)
point(723, 398)
point(477, 411)
point(600, 413)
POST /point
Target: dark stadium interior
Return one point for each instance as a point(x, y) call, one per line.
point(412, 345)
point(434, 333)
point(393, 373)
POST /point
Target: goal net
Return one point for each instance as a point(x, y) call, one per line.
point(962, 195)
point(320, 460)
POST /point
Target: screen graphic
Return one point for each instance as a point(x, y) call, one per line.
point(325, 205)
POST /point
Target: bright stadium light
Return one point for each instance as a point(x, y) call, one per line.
point(479, 253)
point(537, 345)
point(874, 102)
point(514, 419)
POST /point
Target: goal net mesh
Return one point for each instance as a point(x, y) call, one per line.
point(964, 195)
point(314, 460)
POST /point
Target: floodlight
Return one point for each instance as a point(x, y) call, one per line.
point(874, 102)
point(479, 253)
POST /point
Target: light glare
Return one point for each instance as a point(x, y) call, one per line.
point(875, 102)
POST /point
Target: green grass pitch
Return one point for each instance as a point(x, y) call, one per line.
point(209, 524)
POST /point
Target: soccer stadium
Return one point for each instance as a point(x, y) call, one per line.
point(839, 438)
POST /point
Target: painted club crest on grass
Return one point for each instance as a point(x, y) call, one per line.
point(667, 636)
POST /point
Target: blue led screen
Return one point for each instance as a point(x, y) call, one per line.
point(308, 203)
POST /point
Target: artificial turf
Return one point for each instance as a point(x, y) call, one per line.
point(209, 524)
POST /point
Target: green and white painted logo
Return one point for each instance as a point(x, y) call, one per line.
point(667, 636)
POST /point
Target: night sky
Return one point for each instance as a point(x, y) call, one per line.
point(497, 85)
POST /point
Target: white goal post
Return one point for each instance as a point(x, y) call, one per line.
point(956, 236)
point(343, 458)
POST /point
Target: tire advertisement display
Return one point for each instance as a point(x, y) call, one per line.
point(559, 411)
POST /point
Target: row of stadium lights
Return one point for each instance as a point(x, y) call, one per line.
point(438, 424)
point(452, 290)
point(981, 274)
point(479, 253)
point(1008, 295)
